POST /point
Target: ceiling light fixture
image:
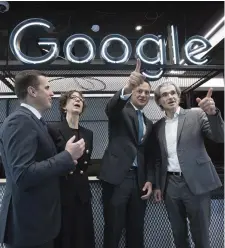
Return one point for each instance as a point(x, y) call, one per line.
point(138, 28)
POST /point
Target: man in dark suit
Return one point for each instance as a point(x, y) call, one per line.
point(126, 171)
point(30, 212)
point(185, 173)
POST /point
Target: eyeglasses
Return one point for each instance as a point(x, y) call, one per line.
point(74, 98)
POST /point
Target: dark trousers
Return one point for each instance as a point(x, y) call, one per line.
point(123, 208)
point(46, 245)
point(77, 229)
point(180, 204)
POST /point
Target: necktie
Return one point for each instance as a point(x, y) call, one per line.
point(140, 125)
point(44, 123)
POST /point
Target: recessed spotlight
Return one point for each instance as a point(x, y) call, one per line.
point(138, 28)
point(95, 28)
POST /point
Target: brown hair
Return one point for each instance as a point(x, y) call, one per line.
point(24, 79)
point(66, 96)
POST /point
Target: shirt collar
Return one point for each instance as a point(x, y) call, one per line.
point(136, 108)
point(176, 114)
point(32, 109)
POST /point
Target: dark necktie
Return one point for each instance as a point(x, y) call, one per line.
point(140, 126)
point(44, 123)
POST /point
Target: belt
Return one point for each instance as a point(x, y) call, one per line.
point(180, 174)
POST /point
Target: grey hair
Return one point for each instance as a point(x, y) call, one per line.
point(157, 95)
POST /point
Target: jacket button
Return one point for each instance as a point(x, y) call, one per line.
point(71, 173)
point(81, 172)
point(85, 162)
point(87, 151)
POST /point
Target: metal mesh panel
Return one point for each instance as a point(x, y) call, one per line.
point(100, 137)
point(102, 83)
point(13, 105)
point(2, 109)
point(109, 83)
point(4, 88)
point(53, 114)
point(157, 231)
point(67, 70)
point(95, 110)
point(102, 77)
point(152, 111)
point(93, 118)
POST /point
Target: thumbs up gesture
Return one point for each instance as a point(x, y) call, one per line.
point(207, 104)
point(136, 78)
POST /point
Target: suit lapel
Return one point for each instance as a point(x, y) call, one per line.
point(34, 117)
point(132, 121)
point(82, 133)
point(162, 133)
point(181, 119)
point(65, 130)
point(27, 111)
point(148, 128)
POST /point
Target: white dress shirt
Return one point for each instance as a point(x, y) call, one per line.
point(32, 109)
point(171, 142)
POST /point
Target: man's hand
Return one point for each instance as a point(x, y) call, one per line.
point(148, 188)
point(207, 104)
point(157, 195)
point(136, 78)
point(76, 149)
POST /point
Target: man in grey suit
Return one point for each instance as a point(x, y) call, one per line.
point(185, 173)
point(30, 212)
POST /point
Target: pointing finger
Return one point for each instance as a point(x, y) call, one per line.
point(209, 93)
point(138, 65)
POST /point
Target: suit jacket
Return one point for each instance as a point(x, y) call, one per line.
point(2, 172)
point(75, 184)
point(196, 166)
point(123, 144)
point(30, 212)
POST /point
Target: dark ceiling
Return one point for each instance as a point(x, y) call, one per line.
point(113, 17)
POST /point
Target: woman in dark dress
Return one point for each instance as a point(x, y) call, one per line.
point(77, 229)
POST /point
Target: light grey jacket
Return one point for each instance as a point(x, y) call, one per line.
point(196, 165)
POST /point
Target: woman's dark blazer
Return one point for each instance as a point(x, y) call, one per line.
point(75, 184)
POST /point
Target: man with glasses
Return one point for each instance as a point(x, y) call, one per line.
point(126, 170)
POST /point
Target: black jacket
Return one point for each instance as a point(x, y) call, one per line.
point(76, 183)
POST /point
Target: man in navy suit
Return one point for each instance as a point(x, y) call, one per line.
point(127, 173)
point(30, 213)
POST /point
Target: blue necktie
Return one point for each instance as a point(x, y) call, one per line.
point(140, 125)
